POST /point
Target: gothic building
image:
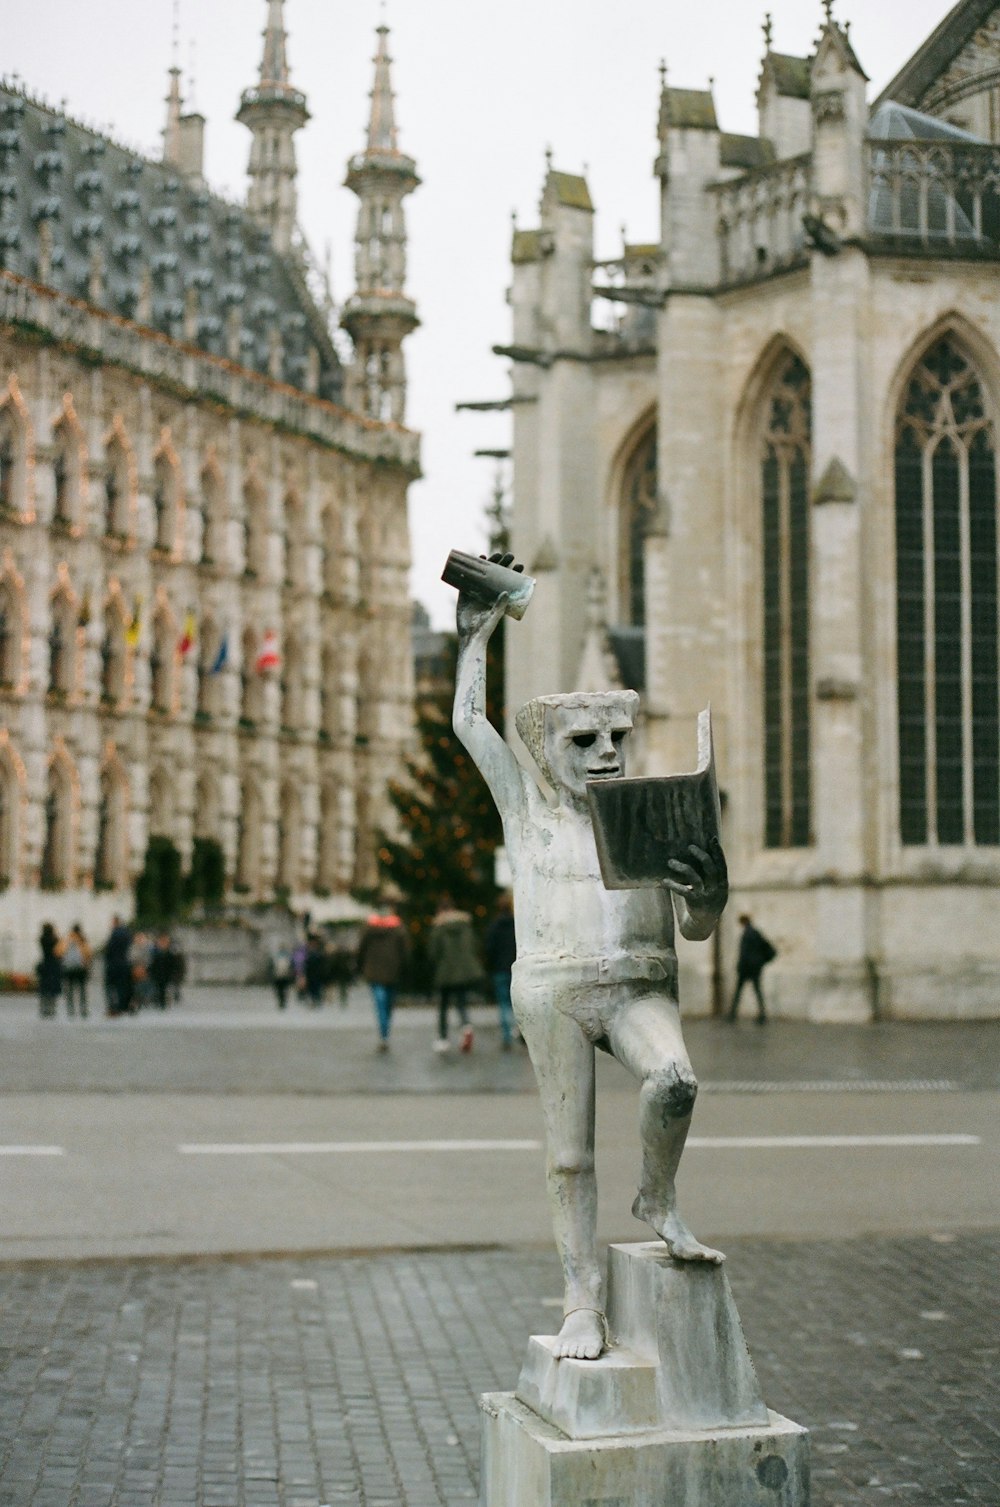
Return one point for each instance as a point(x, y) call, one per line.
point(204, 616)
point(755, 463)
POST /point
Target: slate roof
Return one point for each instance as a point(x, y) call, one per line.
point(691, 108)
point(915, 78)
point(790, 74)
point(746, 152)
point(167, 245)
point(569, 189)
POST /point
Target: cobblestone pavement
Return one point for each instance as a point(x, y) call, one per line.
point(301, 1382)
point(230, 1040)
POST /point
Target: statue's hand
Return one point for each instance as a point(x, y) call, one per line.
point(474, 616)
point(703, 881)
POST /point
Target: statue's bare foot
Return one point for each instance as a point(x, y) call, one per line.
point(670, 1227)
point(581, 1336)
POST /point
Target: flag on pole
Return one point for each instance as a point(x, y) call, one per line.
point(221, 656)
point(133, 633)
point(268, 656)
point(189, 636)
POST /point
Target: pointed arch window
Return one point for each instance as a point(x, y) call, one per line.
point(289, 839)
point(946, 605)
point(116, 490)
point(213, 523)
point(57, 858)
point(161, 662)
point(207, 676)
point(638, 514)
point(109, 855)
point(10, 635)
point(114, 651)
point(249, 833)
point(164, 504)
point(784, 481)
point(62, 645)
point(65, 475)
point(10, 801)
point(12, 455)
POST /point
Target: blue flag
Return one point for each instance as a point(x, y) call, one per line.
point(222, 656)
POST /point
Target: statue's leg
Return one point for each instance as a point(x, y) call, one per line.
point(563, 1060)
point(646, 1037)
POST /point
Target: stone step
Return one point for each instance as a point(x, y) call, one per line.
point(589, 1399)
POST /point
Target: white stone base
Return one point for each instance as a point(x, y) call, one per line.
point(669, 1416)
point(529, 1463)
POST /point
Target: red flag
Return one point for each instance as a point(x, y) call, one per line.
point(268, 656)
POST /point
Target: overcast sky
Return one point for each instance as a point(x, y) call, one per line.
point(481, 90)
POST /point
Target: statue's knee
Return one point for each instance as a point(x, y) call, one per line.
point(570, 1164)
point(675, 1089)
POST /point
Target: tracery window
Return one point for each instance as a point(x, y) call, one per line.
point(784, 482)
point(212, 519)
point(207, 675)
point(291, 684)
point(639, 509)
point(946, 605)
point(289, 839)
point(254, 531)
point(249, 823)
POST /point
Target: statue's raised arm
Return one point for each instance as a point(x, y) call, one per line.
point(476, 621)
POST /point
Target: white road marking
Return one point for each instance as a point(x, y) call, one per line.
point(780, 1142)
point(698, 1143)
point(344, 1148)
point(32, 1151)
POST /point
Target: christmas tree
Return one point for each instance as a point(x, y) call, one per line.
point(449, 829)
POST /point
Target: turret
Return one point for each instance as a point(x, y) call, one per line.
point(566, 216)
point(783, 109)
point(378, 315)
point(840, 122)
point(184, 133)
point(273, 111)
point(689, 160)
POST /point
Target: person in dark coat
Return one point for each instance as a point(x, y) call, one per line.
point(314, 969)
point(118, 968)
point(49, 971)
point(161, 969)
point(383, 957)
point(501, 955)
point(451, 947)
point(754, 954)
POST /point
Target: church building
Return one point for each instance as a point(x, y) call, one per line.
point(755, 464)
point(204, 614)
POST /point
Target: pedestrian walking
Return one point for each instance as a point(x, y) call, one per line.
point(49, 971)
point(282, 974)
point(76, 956)
point(177, 970)
point(383, 957)
point(118, 968)
point(314, 969)
point(754, 955)
point(501, 955)
point(161, 969)
point(140, 956)
point(451, 948)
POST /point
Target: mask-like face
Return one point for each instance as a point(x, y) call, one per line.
point(585, 743)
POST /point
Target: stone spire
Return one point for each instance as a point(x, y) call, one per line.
point(172, 129)
point(273, 111)
point(378, 314)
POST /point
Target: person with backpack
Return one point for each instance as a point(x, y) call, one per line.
point(754, 955)
point(75, 956)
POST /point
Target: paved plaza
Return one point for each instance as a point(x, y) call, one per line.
point(297, 1326)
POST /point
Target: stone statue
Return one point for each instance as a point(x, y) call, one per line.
point(595, 967)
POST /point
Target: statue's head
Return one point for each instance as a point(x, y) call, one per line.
point(578, 737)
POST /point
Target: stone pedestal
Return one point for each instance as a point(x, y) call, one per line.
point(670, 1416)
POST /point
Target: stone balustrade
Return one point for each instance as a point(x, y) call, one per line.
point(759, 219)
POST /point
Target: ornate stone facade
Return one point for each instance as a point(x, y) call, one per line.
point(755, 464)
point(204, 615)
